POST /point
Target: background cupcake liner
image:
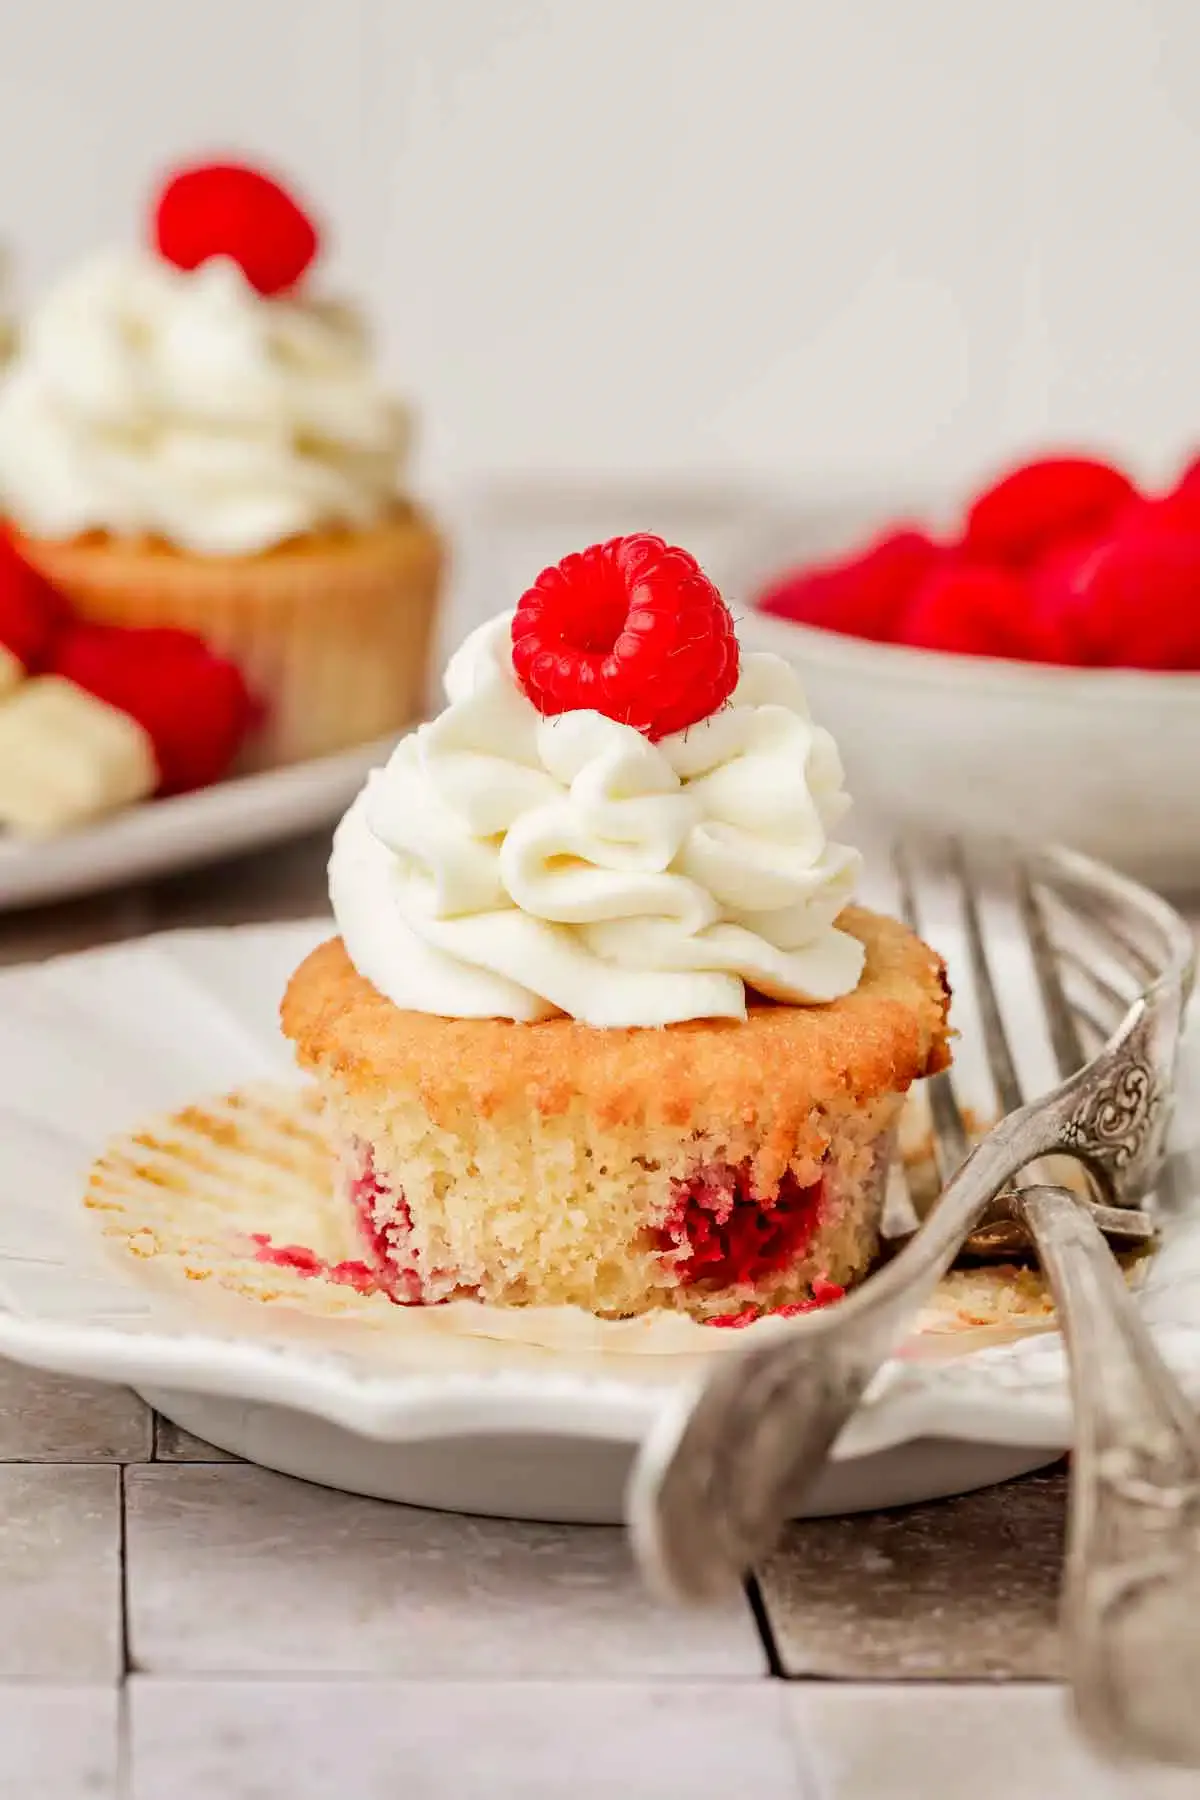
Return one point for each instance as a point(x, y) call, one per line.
point(332, 633)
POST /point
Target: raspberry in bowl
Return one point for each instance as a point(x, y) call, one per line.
point(603, 1026)
point(1029, 667)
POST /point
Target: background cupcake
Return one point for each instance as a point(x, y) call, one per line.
point(189, 436)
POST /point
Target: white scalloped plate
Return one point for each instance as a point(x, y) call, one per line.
point(93, 1045)
point(226, 819)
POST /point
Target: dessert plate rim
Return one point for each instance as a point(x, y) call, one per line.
point(159, 837)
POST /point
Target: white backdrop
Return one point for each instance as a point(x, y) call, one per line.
point(805, 239)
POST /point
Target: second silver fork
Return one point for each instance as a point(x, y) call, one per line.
point(716, 1481)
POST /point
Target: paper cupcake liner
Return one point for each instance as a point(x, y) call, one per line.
point(230, 1197)
point(332, 633)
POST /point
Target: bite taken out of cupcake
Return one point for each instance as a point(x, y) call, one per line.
point(603, 1026)
point(193, 435)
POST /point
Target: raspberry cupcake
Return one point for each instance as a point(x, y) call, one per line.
point(190, 436)
point(602, 1027)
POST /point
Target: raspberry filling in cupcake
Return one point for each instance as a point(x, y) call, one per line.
point(603, 1027)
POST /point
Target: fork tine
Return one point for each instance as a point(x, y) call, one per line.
point(995, 1038)
point(1117, 1002)
point(1100, 1032)
point(1065, 1040)
point(900, 1216)
point(951, 1142)
point(1133, 955)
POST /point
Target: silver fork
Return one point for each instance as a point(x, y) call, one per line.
point(722, 1470)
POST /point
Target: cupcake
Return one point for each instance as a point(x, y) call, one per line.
point(189, 436)
point(602, 1026)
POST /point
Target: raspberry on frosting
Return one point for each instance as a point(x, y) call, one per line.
point(231, 209)
point(633, 629)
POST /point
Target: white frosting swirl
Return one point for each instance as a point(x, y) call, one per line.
point(146, 400)
point(506, 865)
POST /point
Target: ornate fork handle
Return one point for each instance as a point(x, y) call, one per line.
point(722, 1468)
point(1131, 1610)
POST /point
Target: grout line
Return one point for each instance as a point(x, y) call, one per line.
point(419, 1683)
point(124, 1747)
point(762, 1619)
point(123, 1553)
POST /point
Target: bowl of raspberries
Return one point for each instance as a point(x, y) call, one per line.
point(1031, 668)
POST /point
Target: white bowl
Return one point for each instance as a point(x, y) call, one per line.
point(1105, 760)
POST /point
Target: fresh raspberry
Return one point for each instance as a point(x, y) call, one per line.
point(229, 209)
point(970, 610)
point(30, 610)
point(633, 629)
point(193, 704)
point(1186, 491)
point(1019, 518)
point(1178, 509)
point(1057, 605)
point(1131, 600)
point(864, 595)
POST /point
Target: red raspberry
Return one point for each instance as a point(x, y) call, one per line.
point(1178, 509)
point(1056, 605)
point(193, 704)
point(1043, 503)
point(1189, 482)
point(974, 611)
point(30, 610)
point(864, 595)
point(633, 629)
point(1131, 600)
point(229, 209)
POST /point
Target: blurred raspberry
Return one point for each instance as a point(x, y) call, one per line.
point(1131, 600)
point(30, 610)
point(970, 610)
point(1189, 482)
point(1178, 509)
point(862, 596)
point(230, 209)
point(1020, 517)
point(192, 703)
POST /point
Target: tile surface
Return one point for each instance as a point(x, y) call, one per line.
point(459, 1741)
point(58, 1743)
point(173, 1444)
point(44, 1418)
point(233, 1568)
point(956, 1590)
point(951, 1743)
point(60, 1581)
